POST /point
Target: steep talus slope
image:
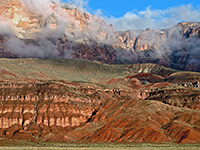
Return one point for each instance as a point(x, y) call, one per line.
point(82, 101)
point(141, 121)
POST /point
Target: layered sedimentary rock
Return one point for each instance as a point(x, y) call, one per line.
point(54, 112)
point(39, 109)
point(142, 103)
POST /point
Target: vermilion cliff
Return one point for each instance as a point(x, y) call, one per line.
point(64, 31)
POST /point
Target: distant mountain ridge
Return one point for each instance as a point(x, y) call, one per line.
point(63, 31)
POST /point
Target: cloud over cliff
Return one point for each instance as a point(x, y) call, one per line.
point(40, 6)
point(44, 29)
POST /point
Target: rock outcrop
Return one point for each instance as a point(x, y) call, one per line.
point(54, 112)
point(36, 110)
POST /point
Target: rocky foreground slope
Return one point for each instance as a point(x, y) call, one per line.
point(62, 100)
point(83, 101)
point(64, 31)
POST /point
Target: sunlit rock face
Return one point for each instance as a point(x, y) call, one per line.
point(60, 31)
point(26, 22)
point(42, 113)
point(190, 29)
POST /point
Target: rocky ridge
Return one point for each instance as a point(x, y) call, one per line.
point(67, 32)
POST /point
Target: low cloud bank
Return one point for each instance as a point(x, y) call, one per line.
point(95, 31)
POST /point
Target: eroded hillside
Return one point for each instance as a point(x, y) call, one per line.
point(82, 101)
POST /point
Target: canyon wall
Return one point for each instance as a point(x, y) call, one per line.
point(39, 109)
point(63, 31)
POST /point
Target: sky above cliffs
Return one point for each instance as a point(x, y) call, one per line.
point(142, 14)
point(118, 8)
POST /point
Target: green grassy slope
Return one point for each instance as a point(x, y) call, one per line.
point(72, 70)
point(58, 69)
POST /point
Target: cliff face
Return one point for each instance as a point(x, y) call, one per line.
point(141, 40)
point(73, 112)
point(63, 31)
point(24, 24)
point(36, 110)
point(157, 39)
point(67, 32)
point(176, 47)
point(28, 23)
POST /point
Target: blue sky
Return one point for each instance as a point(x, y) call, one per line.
point(118, 8)
point(141, 14)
